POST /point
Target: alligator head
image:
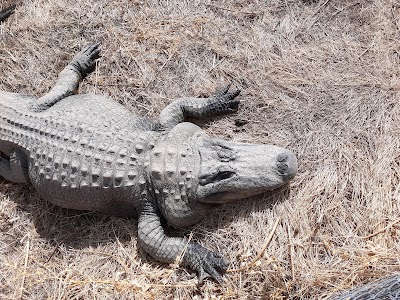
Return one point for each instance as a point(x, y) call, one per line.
point(192, 172)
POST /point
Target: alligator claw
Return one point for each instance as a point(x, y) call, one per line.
point(227, 99)
point(205, 262)
point(224, 90)
point(85, 60)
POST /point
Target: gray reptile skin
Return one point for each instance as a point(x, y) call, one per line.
point(383, 289)
point(92, 175)
point(88, 152)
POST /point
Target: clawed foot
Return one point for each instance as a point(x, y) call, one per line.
point(228, 99)
point(85, 60)
point(205, 262)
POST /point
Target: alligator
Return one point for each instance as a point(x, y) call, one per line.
point(88, 152)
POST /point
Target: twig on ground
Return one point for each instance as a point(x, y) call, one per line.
point(21, 289)
point(382, 230)
point(290, 250)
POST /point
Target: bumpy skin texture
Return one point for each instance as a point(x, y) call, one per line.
point(88, 152)
point(383, 289)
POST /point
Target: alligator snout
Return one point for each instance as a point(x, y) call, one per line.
point(233, 170)
point(287, 165)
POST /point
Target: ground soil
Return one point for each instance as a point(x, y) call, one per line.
point(318, 77)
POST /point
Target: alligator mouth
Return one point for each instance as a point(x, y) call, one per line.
point(218, 176)
point(228, 196)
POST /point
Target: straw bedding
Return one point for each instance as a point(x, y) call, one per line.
point(318, 77)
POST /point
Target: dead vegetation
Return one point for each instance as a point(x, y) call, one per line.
point(318, 77)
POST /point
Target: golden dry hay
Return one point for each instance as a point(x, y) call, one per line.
point(318, 77)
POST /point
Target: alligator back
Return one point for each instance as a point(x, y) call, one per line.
point(85, 152)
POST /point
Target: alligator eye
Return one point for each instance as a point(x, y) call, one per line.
point(224, 152)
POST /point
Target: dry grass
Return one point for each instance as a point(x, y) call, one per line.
point(318, 77)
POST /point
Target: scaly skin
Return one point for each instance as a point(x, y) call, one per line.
point(88, 152)
point(92, 182)
point(384, 289)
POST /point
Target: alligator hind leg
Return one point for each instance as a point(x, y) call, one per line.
point(68, 80)
point(221, 103)
point(15, 169)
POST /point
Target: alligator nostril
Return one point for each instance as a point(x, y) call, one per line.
point(287, 165)
point(282, 167)
point(282, 164)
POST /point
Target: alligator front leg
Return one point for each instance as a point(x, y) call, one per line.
point(167, 249)
point(180, 109)
point(68, 80)
point(14, 169)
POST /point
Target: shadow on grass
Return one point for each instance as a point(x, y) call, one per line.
point(81, 229)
